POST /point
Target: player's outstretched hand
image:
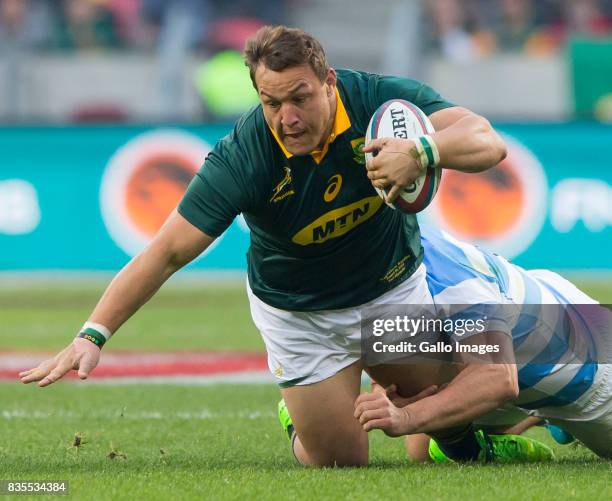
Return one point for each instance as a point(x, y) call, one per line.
point(81, 355)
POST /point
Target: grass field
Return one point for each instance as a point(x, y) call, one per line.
point(178, 317)
point(215, 317)
point(214, 442)
point(225, 442)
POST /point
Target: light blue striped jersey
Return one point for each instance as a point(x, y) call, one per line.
point(556, 361)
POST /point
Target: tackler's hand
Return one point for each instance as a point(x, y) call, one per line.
point(376, 411)
point(399, 401)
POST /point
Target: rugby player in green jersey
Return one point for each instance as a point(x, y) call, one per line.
point(322, 241)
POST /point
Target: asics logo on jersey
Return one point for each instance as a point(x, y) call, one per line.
point(278, 194)
point(338, 222)
point(333, 188)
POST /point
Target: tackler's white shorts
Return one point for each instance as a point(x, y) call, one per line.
point(306, 347)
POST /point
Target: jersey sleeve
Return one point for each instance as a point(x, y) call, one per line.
point(217, 193)
point(418, 93)
point(467, 297)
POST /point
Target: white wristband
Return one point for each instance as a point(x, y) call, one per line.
point(422, 160)
point(99, 327)
point(434, 149)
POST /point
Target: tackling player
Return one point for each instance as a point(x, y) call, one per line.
point(562, 342)
point(322, 241)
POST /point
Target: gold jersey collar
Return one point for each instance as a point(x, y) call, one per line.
point(342, 123)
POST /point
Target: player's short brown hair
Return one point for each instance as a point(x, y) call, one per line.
point(279, 48)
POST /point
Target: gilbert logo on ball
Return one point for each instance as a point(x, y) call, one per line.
point(502, 209)
point(400, 119)
point(144, 181)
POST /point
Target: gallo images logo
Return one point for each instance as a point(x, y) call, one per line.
point(144, 181)
point(502, 209)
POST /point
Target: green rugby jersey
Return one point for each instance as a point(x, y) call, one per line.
point(321, 238)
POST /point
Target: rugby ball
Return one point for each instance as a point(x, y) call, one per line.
point(401, 119)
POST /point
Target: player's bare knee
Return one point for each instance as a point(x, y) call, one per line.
point(347, 451)
point(417, 448)
point(343, 459)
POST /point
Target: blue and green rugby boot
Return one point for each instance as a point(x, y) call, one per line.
point(502, 449)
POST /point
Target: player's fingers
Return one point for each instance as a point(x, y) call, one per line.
point(35, 375)
point(374, 145)
point(376, 388)
point(393, 193)
point(369, 401)
point(372, 164)
point(368, 406)
point(65, 366)
point(372, 415)
point(378, 176)
point(391, 389)
point(381, 184)
point(377, 424)
point(52, 377)
point(87, 364)
point(391, 392)
point(366, 397)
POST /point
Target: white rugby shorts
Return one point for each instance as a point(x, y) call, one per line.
point(306, 347)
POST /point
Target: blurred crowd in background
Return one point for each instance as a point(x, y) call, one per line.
point(458, 29)
point(468, 29)
point(118, 60)
point(48, 25)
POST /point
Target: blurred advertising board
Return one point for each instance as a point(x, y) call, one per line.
point(590, 61)
point(89, 198)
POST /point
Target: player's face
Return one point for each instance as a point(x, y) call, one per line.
point(298, 106)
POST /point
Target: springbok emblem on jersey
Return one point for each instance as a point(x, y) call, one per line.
point(278, 194)
point(357, 146)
